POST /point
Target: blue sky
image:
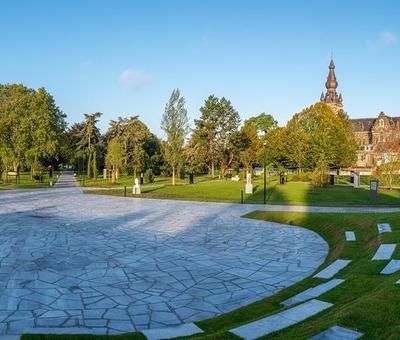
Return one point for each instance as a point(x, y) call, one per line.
point(124, 58)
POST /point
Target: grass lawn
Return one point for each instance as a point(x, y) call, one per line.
point(25, 181)
point(366, 301)
point(295, 193)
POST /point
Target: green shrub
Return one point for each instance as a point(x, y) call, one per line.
point(320, 176)
point(148, 176)
point(302, 177)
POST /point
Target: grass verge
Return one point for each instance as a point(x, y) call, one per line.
point(25, 182)
point(291, 193)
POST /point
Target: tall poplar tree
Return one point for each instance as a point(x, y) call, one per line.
point(175, 125)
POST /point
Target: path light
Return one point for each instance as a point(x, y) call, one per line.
point(265, 172)
point(263, 135)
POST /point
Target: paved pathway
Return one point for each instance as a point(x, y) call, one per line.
point(101, 264)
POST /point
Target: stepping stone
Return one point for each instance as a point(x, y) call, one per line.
point(392, 267)
point(384, 252)
point(337, 333)
point(312, 292)
point(384, 228)
point(332, 269)
point(350, 236)
point(276, 322)
point(185, 329)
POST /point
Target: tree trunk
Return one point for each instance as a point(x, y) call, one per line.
point(94, 165)
point(113, 175)
point(88, 165)
point(173, 175)
point(223, 170)
point(212, 170)
point(298, 168)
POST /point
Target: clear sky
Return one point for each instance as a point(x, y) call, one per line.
point(124, 58)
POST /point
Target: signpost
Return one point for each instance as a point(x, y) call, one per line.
point(373, 190)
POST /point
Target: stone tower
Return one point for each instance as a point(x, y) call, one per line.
point(331, 97)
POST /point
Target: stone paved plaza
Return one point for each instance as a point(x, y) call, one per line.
point(99, 264)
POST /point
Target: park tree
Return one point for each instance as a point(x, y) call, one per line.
point(217, 132)
point(49, 126)
point(297, 146)
point(250, 147)
point(195, 155)
point(114, 157)
point(389, 172)
point(139, 144)
point(175, 125)
point(72, 139)
point(325, 138)
point(31, 128)
point(89, 142)
point(262, 122)
point(276, 147)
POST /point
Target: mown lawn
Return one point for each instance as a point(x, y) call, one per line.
point(295, 193)
point(366, 301)
point(25, 181)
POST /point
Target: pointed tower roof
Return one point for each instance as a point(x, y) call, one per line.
point(331, 82)
point(331, 97)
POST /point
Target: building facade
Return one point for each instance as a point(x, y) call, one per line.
point(378, 138)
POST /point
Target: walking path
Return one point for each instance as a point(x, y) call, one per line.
point(74, 263)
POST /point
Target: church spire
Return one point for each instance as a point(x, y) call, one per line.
point(331, 97)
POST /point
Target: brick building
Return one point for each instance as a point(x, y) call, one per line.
point(378, 138)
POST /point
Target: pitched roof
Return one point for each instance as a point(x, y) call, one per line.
point(363, 124)
point(366, 124)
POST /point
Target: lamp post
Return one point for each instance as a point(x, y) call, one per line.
point(265, 172)
point(83, 171)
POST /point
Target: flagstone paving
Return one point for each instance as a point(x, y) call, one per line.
point(337, 333)
point(313, 292)
point(350, 236)
point(392, 267)
point(172, 332)
point(74, 263)
point(332, 269)
point(384, 228)
point(281, 320)
point(384, 252)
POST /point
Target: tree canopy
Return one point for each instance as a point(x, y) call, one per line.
point(31, 128)
point(317, 135)
point(175, 125)
point(216, 132)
